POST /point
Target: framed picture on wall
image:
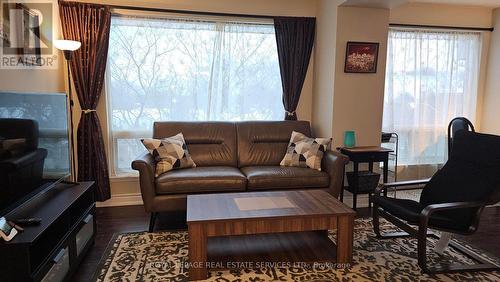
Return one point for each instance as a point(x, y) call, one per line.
point(361, 57)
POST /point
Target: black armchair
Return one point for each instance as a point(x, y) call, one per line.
point(22, 169)
point(451, 201)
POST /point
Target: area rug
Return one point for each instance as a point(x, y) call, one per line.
point(162, 256)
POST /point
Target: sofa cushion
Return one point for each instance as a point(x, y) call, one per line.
point(209, 143)
point(200, 180)
point(279, 177)
point(264, 143)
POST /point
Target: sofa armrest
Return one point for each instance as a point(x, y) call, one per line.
point(333, 163)
point(145, 164)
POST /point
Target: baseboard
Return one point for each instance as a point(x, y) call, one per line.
point(132, 199)
point(135, 199)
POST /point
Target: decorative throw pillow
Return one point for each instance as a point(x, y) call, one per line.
point(304, 151)
point(170, 153)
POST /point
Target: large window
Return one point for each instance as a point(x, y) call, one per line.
point(166, 69)
point(432, 77)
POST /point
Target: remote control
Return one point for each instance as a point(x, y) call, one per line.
point(27, 221)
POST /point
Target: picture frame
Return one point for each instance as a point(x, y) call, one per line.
point(361, 57)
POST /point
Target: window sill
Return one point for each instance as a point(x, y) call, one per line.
point(124, 178)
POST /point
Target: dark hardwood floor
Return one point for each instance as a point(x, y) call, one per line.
point(117, 220)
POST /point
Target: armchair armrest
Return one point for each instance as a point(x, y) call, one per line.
point(23, 160)
point(333, 163)
point(430, 209)
point(401, 184)
point(145, 164)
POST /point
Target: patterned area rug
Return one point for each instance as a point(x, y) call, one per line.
point(160, 257)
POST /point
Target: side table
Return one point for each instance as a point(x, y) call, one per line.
point(365, 154)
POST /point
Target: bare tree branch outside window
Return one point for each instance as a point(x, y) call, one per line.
point(187, 70)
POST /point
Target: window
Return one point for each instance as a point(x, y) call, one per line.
point(432, 77)
point(166, 69)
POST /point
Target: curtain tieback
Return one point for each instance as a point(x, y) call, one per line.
point(88, 111)
point(290, 113)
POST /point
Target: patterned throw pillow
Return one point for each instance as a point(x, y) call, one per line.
point(304, 151)
point(170, 153)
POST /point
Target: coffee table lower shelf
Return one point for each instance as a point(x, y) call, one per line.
point(276, 249)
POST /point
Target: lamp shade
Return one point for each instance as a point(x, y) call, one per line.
point(67, 45)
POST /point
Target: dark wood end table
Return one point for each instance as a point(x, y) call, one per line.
point(365, 154)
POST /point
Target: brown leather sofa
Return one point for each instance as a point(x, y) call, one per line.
point(232, 157)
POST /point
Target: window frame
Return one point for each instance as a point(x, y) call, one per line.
point(111, 140)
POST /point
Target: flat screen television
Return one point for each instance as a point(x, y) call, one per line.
point(34, 151)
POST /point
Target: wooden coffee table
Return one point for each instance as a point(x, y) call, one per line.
point(219, 215)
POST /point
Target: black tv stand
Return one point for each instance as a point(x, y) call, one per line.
point(69, 182)
point(52, 250)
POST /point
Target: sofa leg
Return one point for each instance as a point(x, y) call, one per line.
point(152, 221)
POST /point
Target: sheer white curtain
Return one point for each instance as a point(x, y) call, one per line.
point(181, 69)
point(431, 77)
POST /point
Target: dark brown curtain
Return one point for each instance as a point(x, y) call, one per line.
point(295, 40)
point(89, 24)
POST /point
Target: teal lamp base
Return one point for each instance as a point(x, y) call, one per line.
point(349, 139)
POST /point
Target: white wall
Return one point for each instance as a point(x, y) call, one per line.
point(491, 104)
point(324, 67)
point(358, 98)
point(439, 14)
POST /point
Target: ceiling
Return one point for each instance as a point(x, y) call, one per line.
point(484, 3)
point(389, 4)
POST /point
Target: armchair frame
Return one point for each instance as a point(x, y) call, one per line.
point(421, 232)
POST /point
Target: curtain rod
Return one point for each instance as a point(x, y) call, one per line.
point(148, 9)
point(442, 27)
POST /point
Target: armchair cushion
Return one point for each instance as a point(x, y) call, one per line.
point(471, 174)
point(409, 211)
point(279, 177)
point(200, 180)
